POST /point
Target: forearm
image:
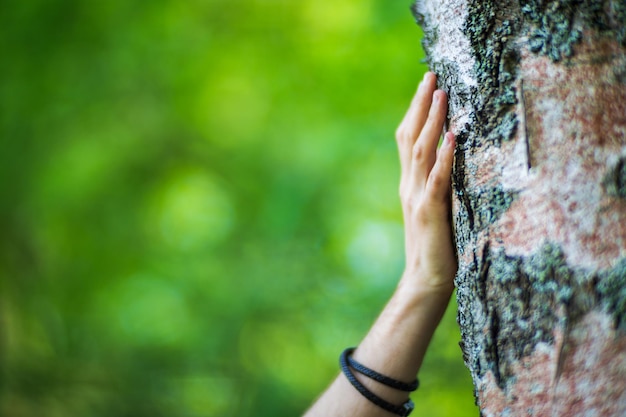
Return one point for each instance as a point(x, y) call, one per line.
point(395, 346)
point(398, 340)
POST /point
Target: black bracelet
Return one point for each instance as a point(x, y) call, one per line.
point(402, 410)
point(385, 380)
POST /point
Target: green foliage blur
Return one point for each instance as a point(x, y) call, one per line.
point(199, 204)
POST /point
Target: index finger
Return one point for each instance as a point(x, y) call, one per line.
point(414, 120)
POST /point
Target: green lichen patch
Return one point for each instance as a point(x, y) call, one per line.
point(557, 26)
point(492, 31)
point(527, 298)
point(618, 20)
point(492, 202)
point(553, 33)
point(612, 290)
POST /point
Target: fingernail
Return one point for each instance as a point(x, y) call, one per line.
point(447, 139)
point(435, 97)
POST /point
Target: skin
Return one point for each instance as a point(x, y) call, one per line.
point(397, 342)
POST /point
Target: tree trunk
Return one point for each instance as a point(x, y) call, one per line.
point(537, 94)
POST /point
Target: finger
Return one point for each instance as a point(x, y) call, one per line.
point(413, 121)
point(418, 111)
point(438, 185)
point(424, 150)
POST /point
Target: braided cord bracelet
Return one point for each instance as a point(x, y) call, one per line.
point(385, 380)
point(403, 410)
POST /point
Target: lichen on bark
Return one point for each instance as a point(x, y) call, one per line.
point(537, 100)
point(531, 296)
point(557, 26)
point(490, 27)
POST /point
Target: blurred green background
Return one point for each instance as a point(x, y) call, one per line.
point(199, 204)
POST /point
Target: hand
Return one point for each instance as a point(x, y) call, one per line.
point(397, 342)
point(425, 190)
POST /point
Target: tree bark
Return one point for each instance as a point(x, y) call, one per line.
point(537, 93)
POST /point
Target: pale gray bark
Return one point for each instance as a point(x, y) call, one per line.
point(538, 103)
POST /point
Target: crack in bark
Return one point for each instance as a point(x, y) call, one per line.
point(525, 125)
point(494, 330)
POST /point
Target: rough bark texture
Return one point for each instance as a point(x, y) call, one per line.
point(538, 103)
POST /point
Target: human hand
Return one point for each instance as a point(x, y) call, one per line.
point(425, 190)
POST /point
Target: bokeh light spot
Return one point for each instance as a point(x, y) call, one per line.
point(376, 250)
point(145, 310)
point(232, 107)
point(191, 211)
point(344, 16)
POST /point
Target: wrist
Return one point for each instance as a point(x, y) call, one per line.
point(422, 283)
point(399, 339)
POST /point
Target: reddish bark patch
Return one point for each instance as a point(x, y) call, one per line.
point(575, 122)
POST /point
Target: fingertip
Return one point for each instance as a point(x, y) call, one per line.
point(445, 155)
point(429, 81)
point(439, 96)
point(448, 139)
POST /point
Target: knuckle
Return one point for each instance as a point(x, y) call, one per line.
point(436, 194)
point(437, 182)
point(440, 183)
point(418, 151)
